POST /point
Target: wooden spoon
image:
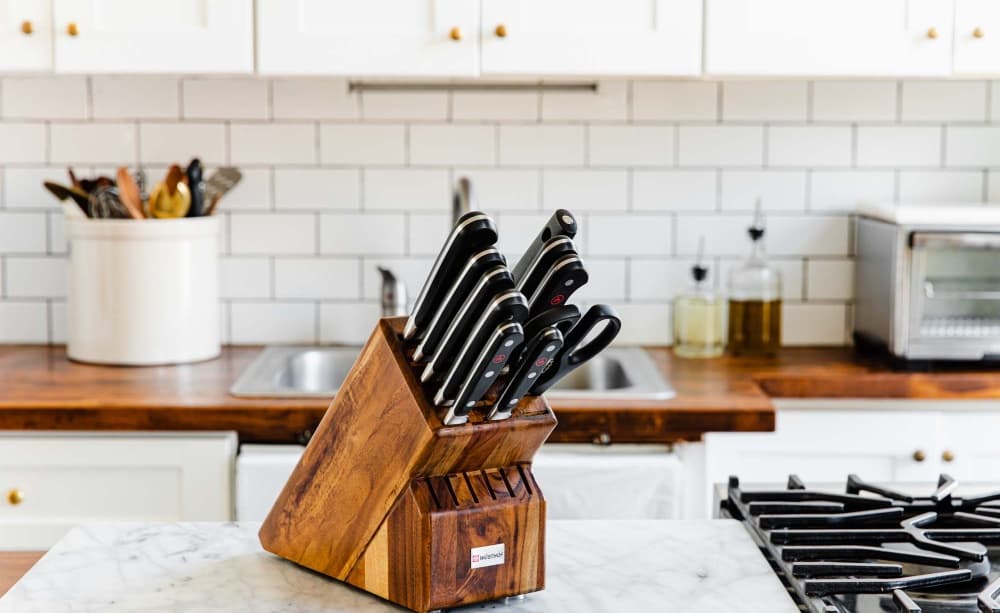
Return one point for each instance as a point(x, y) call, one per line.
point(128, 192)
point(170, 198)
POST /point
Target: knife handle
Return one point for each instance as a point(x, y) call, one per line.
point(566, 276)
point(537, 356)
point(491, 360)
point(554, 249)
point(562, 223)
point(574, 351)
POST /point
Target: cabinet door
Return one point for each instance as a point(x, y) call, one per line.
point(969, 451)
point(591, 37)
point(977, 37)
point(154, 36)
point(828, 37)
point(25, 35)
point(67, 479)
point(374, 37)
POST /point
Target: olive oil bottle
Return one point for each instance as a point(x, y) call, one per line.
point(755, 300)
point(699, 315)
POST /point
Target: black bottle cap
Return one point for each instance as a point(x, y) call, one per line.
point(755, 232)
point(699, 272)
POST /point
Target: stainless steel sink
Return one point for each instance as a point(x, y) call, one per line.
point(298, 372)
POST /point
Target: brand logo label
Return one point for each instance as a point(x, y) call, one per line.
point(490, 555)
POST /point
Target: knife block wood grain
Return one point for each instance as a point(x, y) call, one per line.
point(387, 498)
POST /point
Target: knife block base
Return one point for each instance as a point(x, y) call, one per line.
point(389, 499)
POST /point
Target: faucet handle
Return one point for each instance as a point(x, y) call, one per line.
point(461, 199)
point(393, 293)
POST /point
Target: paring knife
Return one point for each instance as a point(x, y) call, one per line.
point(495, 281)
point(536, 357)
point(459, 293)
point(554, 249)
point(473, 232)
point(574, 352)
point(562, 223)
point(490, 361)
point(565, 277)
point(509, 306)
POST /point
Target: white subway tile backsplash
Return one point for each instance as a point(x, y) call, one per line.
point(244, 277)
point(317, 188)
point(830, 280)
point(792, 283)
point(23, 322)
point(674, 190)
point(854, 101)
point(495, 106)
point(305, 98)
point(764, 100)
point(675, 101)
point(813, 324)
point(57, 243)
point(517, 230)
point(899, 146)
point(362, 143)
point(272, 143)
point(660, 279)
point(362, 234)
point(22, 142)
point(972, 146)
point(406, 190)
point(607, 281)
point(808, 235)
point(941, 187)
point(257, 323)
point(720, 145)
point(410, 270)
point(452, 144)
point(169, 143)
point(349, 324)
point(944, 101)
point(427, 232)
point(644, 324)
point(541, 145)
point(36, 277)
point(633, 234)
point(404, 105)
point(993, 187)
point(93, 143)
point(583, 190)
point(22, 187)
point(723, 234)
point(496, 189)
point(253, 192)
point(260, 233)
point(814, 146)
point(631, 145)
point(135, 97)
point(844, 190)
point(608, 103)
point(44, 98)
point(317, 278)
point(22, 232)
point(243, 98)
point(776, 189)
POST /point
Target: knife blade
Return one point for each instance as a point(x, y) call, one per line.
point(487, 366)
point(473, 232)
point(565, 277)
point(562, 223)
point(459, 293)
point(554, 249)
point(508, 306)
point(536, 357)
point(495, 281)
point(581, 344)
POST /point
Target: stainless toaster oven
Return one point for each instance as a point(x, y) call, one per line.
point(927, 284)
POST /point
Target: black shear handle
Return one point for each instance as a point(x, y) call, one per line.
point(574, 352)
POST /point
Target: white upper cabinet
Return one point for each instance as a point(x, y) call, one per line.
point(368, 37)
point(153, 36)
point(25, 35)
point(977, 37)
point(829, 37)
point(591, 37)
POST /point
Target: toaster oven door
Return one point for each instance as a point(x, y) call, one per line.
point(954, 296)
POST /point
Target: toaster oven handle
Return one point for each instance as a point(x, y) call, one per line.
point(955, 240)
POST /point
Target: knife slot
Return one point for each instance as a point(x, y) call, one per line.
point(443, 493)
point(484, 484)
point(472, 490)
point(430, 489)
point(525, 480)
point(460, 490)
point(497, 483)
point(513, 480)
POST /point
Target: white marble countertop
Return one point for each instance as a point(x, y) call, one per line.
point(677, 566)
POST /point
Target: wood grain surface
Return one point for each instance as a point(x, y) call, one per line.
point(13, 566)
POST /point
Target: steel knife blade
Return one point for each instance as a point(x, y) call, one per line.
point(565, 277)
point(485, 370)
point(562, 223)
point(536, 357)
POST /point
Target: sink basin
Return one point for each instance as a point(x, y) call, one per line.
point(303, 372)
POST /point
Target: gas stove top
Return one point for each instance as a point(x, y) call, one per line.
point(873, 549)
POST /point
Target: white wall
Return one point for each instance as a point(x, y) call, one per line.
point(336, 183)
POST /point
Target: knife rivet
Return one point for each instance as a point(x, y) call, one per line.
point(532, 375)
point(508, 343)
point(470, 403)
point(568, 220)
point(489, 374)
point(568, 282)
point(550, 349)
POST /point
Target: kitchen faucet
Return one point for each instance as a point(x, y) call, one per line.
point(393, 294)
point(461, 199)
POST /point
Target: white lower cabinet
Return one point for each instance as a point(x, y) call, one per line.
point(51, 482)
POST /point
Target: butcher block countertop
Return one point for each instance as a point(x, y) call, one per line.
point(41, 390)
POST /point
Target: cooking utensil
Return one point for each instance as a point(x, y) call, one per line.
point(581, 344)
point(196, 185)
point(565, 277)
point(554, 249)
point(493, 282)
point(63, 192)
point(216, 186)
point(537, 355)
point(171, 198)
point(562, 223)
point(474, 232)
point(485, 370)
point(104, 203)
point(460, 291)
point(128, 193)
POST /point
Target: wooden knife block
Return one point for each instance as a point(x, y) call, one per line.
point(390, 500)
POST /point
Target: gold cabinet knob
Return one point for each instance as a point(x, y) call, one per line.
point(947, 456)
point(27, 27)
point(978, 33)
point(455, 33)
point(500, 31)
point(932, 33)
point(15, 497)
point(72, 29)
point(919, 455)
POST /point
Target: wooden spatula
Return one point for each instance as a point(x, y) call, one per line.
point(128, 192)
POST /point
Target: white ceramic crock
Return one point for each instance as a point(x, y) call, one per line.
point(143, 292)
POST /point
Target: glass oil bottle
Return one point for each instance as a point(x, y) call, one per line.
point(699, 316)
point(755, 300)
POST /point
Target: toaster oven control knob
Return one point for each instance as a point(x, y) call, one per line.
point(948, 456)
point(919, 455)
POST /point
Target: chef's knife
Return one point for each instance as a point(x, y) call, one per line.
point(562, 223)
point(459, 293)
point(508, 306)
point(536, 357)
point(554, 249)
point(473, 232)
point(490, 361)
point(565, 277)
point(575, 350)
point(492, 283)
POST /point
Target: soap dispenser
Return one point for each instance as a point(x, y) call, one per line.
point(755, 299)
point(699, 315)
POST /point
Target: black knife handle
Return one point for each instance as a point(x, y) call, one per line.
point(473, 232)
point(490, 361)
point(565, 277)
point(554, 249)
point(574, 352)
point(562, 223)
point(196, 185)
point(536, 357)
